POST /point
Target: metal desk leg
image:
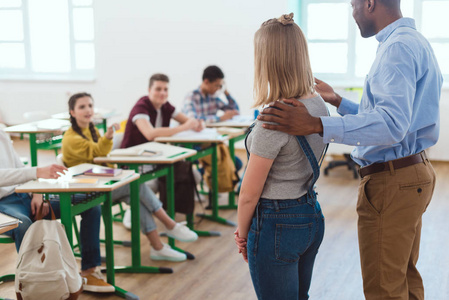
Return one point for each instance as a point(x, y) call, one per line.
point(136, 266)
point(105, 125)
point(65, 207)
point(231, 199)
point(171, 207)
point(33, 150)
point(107, 219)
point(214, 217)
point(106, 209)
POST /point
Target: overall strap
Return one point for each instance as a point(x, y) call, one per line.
point(248, 131)
point(305, 146)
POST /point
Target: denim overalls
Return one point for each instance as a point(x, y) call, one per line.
point(283, 240)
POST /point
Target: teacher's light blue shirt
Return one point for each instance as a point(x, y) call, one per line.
point(399, 112)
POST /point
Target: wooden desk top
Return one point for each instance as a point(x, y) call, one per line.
point(239, 121)
point(61, 186)
point(8, 228)
point(208, 135)
point(169, 154)
point(44, 126)
point(231, 132)
point(232, 123)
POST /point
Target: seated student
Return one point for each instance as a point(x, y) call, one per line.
point(150, 117)
point(204, 103)
point(24, 207)
point(82, 143)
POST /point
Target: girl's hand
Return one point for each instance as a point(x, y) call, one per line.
point(111, 129)
point(241, 245)
point(245, 255)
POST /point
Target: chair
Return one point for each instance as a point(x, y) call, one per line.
point(117, 141)
point(4, 239)
point(352, 166)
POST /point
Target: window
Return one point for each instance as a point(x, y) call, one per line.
point(340, 55)
point(47, 39)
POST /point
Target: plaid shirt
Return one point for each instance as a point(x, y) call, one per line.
point(199, 106)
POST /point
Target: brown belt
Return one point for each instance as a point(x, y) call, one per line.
point(397, 164)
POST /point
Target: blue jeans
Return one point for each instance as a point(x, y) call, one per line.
point(282, 245)
point(149, 204)
point(19, 206)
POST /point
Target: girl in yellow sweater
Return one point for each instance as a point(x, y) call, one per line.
point(82, 143)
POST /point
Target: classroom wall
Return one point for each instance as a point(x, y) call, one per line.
point(135, 39)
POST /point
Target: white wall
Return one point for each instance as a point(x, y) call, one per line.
point(440, 150)
point(135, 39)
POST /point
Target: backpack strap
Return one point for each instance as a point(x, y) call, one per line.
point(39, 215)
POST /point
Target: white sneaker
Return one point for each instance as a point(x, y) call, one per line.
point(167, 253)
point(127, 219)
point(182, 233)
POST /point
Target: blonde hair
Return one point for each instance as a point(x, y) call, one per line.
point(281, 62)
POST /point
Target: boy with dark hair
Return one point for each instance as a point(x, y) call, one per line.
point(203, 102)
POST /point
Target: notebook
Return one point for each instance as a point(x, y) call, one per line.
point(133, 152)
point(6, 220)
point(83, 181)
point(103, 172)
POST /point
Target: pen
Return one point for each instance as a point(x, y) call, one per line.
point(177, 154)
point(149, 151)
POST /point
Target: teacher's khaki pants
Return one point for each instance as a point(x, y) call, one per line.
point(390, 208)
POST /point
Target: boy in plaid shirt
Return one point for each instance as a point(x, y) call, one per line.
point(203, 103)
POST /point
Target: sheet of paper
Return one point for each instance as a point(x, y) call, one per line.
point(206, 133)
point(6, 220)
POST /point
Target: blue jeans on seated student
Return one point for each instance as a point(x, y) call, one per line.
point(282, 245)
point(19, 206)
point(149, 204)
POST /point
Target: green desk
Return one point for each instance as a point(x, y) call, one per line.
point(212, 138)
point(237, 132)
point(103, 196)
point(164, 161)
point(53, 126)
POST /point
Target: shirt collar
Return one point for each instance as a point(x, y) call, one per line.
point(383, 35)
point(198, 90)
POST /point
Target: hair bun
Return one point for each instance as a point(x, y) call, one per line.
point(286, 19)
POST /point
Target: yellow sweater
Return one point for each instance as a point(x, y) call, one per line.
point(77, 150)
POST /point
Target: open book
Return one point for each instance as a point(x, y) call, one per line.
point(97, 171)
point(134, 152)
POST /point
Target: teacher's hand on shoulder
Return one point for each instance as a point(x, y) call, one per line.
point(294, 120)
